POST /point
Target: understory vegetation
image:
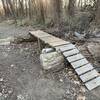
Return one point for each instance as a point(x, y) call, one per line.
point(68, 15)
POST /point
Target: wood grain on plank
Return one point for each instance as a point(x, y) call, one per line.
point(79, 63)
point(75, 57)
point(58, 43)
point(90, 75)
point(93, 83)
point(39, 33)
point(65, 47)
point(70, 53)
point(84, 69)
point(50, 39)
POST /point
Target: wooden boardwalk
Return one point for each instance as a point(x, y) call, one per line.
point(80, 64)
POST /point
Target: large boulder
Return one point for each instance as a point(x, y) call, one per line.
point(53, 61)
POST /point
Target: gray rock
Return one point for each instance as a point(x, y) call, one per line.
point(78, 35)
point(52, 61)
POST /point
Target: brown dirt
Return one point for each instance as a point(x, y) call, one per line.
point(22, 77)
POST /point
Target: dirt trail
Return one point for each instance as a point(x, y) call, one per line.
point(21, 76)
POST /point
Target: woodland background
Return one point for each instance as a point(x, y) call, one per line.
point(77, 15)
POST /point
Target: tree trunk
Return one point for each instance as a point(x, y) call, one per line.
point(41, 12)
point(98, 12)
point(21, 8)
point(71, 7)
point(57, 6)
point(5, 7)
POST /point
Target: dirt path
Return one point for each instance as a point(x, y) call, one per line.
point(21, 76)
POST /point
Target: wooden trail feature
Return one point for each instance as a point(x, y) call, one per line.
point(80, 64)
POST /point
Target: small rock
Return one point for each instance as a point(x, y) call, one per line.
point(70, 72)
point(61, 80)
point(67, 92)
point(0, 94)
point(5, 95)
point(76, 77)
point(20, 97)
point(23, 69)
point(77, 82)
point(83, 89)
point(26, 48)
point(79, 36)
point(12, 65)
point(10, 91)
point(3, 91)
point(81, 97)
point(1, 79)
point(8, 48)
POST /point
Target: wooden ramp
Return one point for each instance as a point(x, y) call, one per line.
point(83, 68)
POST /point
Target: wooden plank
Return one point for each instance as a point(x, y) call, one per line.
point(84, 69)
point(39, 33)
point(71, 52)
point(75, 57)
point(58, 43)
point(65, 47)
point(90, 75)
point(79, 63)
point(93, 83)
point(50, 39)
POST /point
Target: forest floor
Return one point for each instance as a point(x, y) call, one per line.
point(22, 78)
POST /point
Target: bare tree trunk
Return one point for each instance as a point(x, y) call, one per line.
point(98, 11)
point(71, 7)
point(6, 8)
point(34, 7)
point(21, 9)
point(10, 7)
point(26, 8)
point(30, 9)
point(56, 6)
point(79, 3)
point(41, 11)
point(85, 2)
